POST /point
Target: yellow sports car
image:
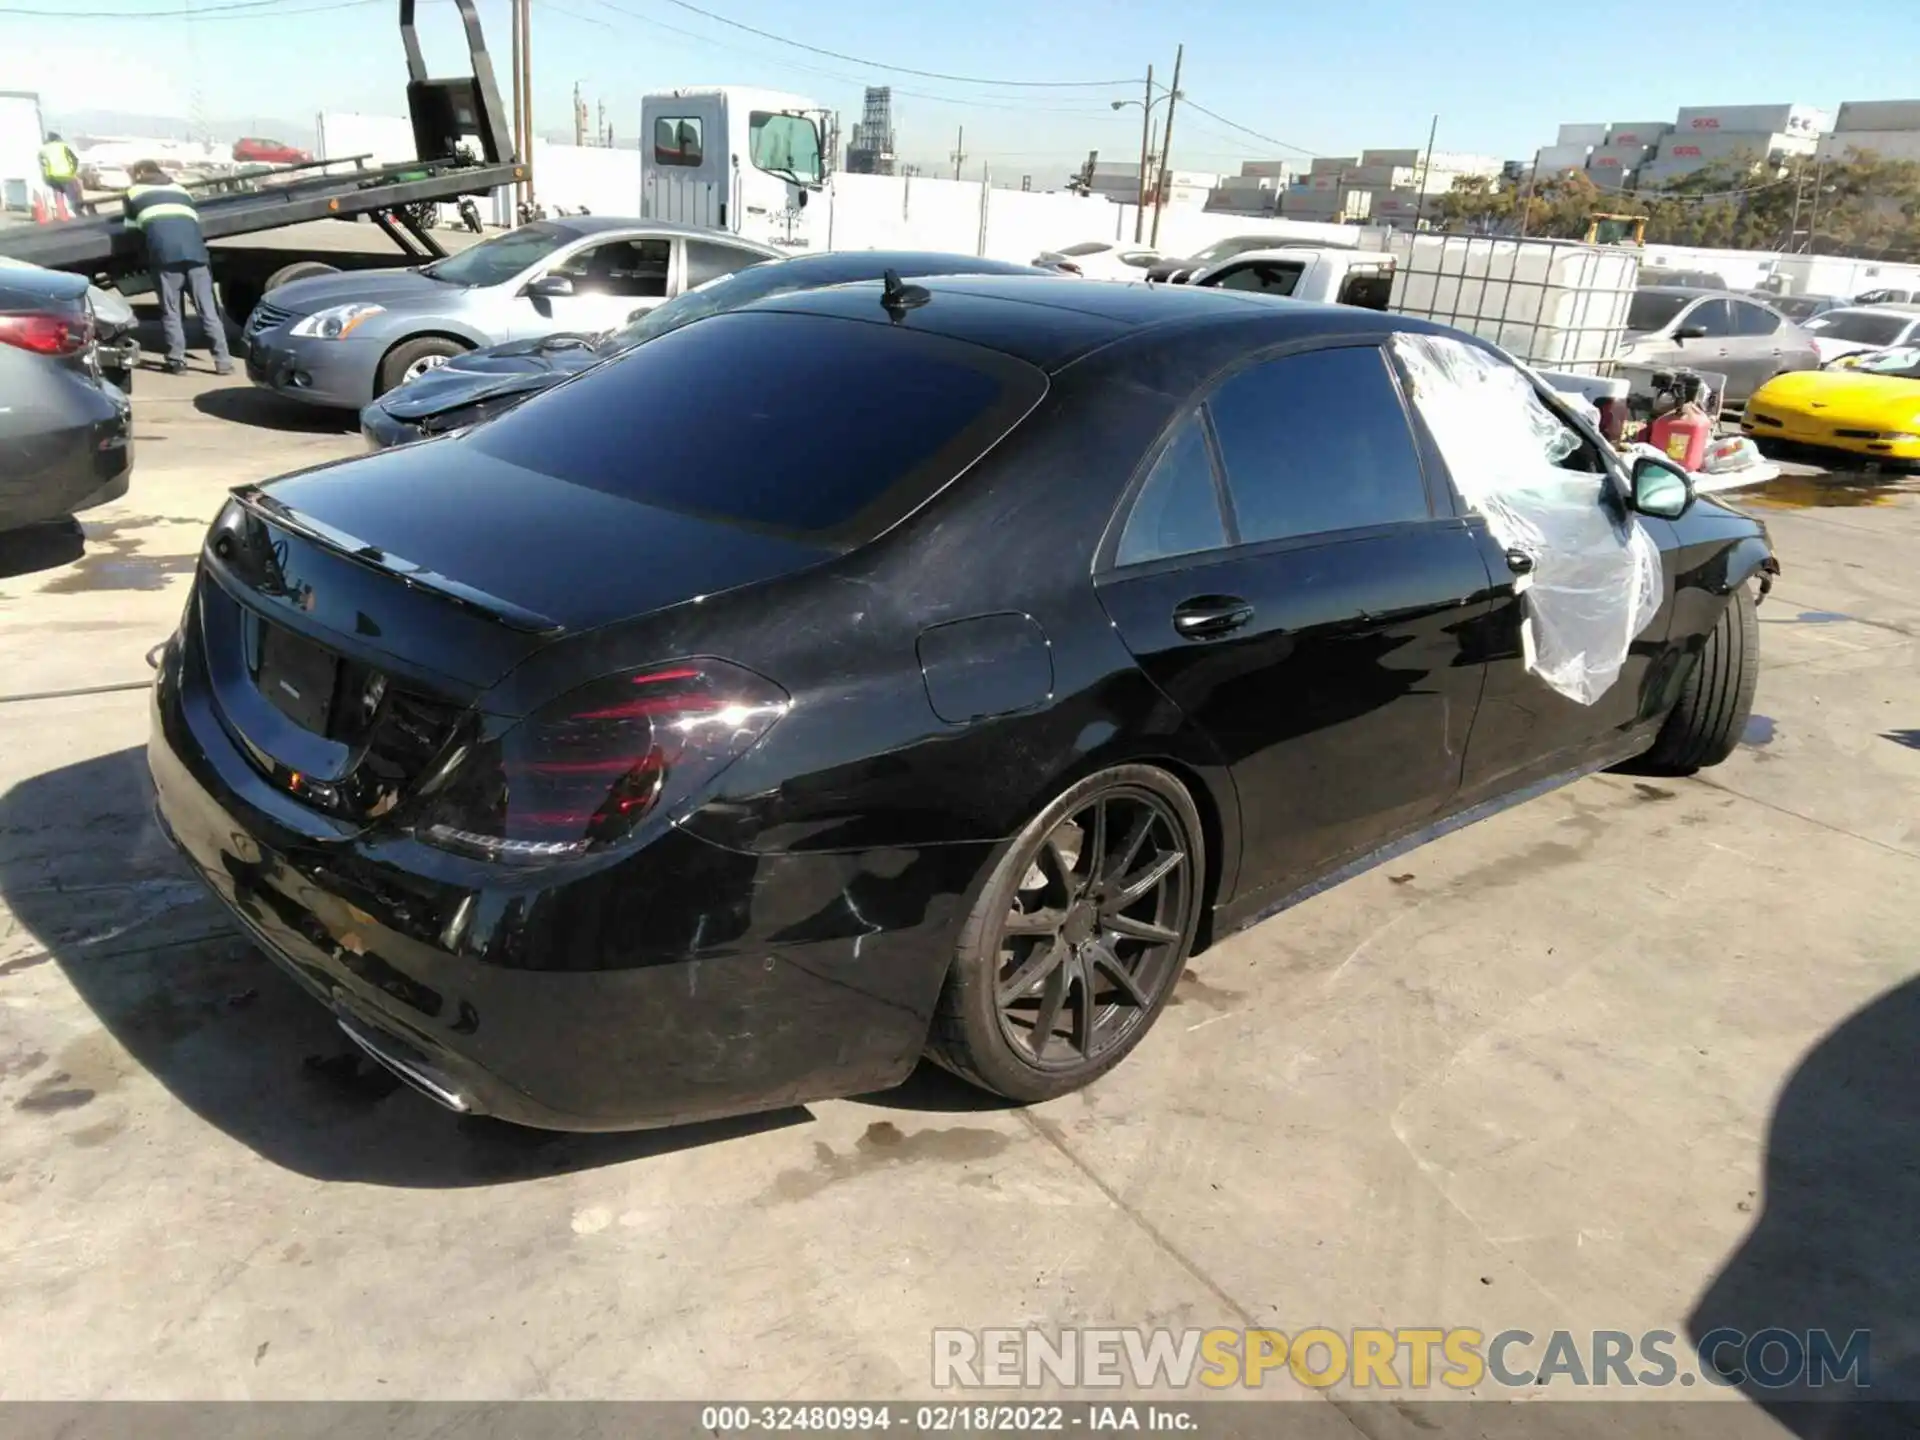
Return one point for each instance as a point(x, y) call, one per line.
point(1868, 404)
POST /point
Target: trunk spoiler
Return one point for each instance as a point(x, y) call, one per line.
point(263, 506)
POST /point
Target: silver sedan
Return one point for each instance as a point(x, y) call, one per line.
point(343, 340)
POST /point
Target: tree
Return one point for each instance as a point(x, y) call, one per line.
point(1860, 205)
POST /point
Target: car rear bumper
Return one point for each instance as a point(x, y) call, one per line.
point(77, 458)
point(688, 981)
point(335, 373)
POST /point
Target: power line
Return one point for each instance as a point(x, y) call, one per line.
point(237, 10)
point(901, 69)
point(1193, 104)
point(1090, 110)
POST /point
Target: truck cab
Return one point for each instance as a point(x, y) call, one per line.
point(1327, 274)
point(733, 158)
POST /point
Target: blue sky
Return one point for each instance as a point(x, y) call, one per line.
point(1327, 78)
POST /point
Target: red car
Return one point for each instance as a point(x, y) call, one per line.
point(268, 152)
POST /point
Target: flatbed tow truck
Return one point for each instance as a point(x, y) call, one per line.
point(464, 145)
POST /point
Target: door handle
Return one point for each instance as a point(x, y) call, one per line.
point(1205, 617)
point(1519, 561)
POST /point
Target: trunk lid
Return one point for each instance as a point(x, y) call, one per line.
point(570, 556)
point(349, 619)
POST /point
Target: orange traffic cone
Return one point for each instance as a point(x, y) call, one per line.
point(39, 208)
point(60, 205)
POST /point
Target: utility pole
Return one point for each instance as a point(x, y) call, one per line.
point(519, 109)
point(1146, 120)
point(1426, 169)
point(1813, 219)
point(1166, 145)
point(526, 92)
point(959, 156)
point(579, 116)
point(1526, 196)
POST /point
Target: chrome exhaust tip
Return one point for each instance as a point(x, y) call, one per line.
point(414, 1071)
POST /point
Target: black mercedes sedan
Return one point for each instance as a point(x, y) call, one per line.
point(484, 383)
point(896, 669)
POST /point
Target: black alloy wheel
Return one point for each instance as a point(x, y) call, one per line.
point(1078, 938)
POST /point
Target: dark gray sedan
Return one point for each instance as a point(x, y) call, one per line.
point(65, 433)
point(1677, 326)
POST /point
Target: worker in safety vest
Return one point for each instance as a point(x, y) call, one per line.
point(177, 258)
point(60, 168)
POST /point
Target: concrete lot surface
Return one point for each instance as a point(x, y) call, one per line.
point(1637, 1055)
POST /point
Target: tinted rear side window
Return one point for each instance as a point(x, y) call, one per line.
point(1315, 443)
point(806, 425)
point(1178, 510)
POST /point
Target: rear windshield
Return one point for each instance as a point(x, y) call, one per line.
point(1795, 307)
point(1651, 310)
point(804, 425)
point(1860, 327)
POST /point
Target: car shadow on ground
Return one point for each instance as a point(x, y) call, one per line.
point(264, 410)
point(153, 340)
point(1835, 1246)
point(41, 547)
point(85, 870)
point(936, 1091)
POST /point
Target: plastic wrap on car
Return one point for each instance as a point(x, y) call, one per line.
point(1595, 582)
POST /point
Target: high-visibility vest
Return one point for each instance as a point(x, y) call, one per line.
point(58, 162)
point(164, 214)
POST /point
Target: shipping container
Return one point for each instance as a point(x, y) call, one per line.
point(1462, 162)
point(20, 138)
point(1879, 115)
point(1555, 158)
point(1390, 157)
point(1333, 164)
point(1706, 146)
point(1749, 119)
point(1370, 174)
point(1637, 132)
point(1582, 135)
point(1615, 156)
point(1882, 144)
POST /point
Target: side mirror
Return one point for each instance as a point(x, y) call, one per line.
point(1690, 332)
point(551, 286)
point(1660, 487)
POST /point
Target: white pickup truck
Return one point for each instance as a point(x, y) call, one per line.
point(1333, 275)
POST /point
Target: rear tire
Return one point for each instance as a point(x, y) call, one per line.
point(413, 357)
point(1715, 703)
point(1083, 927)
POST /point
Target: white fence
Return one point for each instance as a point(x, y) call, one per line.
point(871, 212)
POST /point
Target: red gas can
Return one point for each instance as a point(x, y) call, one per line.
point(1682, 435)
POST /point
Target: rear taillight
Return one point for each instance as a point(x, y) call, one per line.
point(46, 334)
point(580, 774)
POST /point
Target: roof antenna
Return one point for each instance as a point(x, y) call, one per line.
point(900, 297)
